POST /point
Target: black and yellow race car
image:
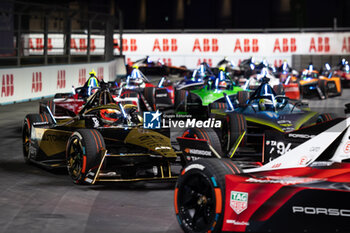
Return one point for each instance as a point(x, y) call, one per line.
point(105, 141)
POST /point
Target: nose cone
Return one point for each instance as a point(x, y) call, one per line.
point(151, 140)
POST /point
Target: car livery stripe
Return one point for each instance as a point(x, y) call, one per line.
point(84, 165)
point(42, 119)
point(218, 198)
point(175, 201)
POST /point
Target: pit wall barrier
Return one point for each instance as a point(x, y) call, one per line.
point(190, 49)
point(30, 83)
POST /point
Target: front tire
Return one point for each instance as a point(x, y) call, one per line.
point(207, 134)
point(199, 197)
point(83, 153)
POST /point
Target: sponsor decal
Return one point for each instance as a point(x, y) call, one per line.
point(82, 77)
point(238, 201)
point(246, 45)
point(315, 149)
point(321, 211)
point(194, 166)
point(162, 148)
point(7, 87)
point(165, 45)
point(303, 160)
point(320, 44)
point(304, 136)
point(198, 152)
point(234, 222)
point(37, 83)
point(205, 45)
point(162, 95)
point(96, 122)
point(151, 120)
point(61, 79)
point(100, 73)
point(347, 147)
point(291, 89)
point(284, 45)
point(281, 180)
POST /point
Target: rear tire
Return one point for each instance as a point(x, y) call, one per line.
point(234, 126)
point(323, 87)
point(217, 105)
point(279, 90)
point(150, 96)
point(180, 100)
point(83, 153)
point(207, 134)
point(199, 197)
point(243, 98)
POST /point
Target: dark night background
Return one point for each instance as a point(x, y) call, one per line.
point(203, 14)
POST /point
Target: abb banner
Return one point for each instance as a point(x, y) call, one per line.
point(21, 84)
point(192, 49)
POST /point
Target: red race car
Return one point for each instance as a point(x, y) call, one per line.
point(305, 190)
point(151, 96)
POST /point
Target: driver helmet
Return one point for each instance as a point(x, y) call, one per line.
point(136, 77)
point(110, 116)
point(223, 84)
point(266, 105)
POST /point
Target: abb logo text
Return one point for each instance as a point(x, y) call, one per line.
point(284, 45)
point(165, 45)
point(81, 44)
point(37, 44)
point(37, 83)
point(249, 45)
point(7, 87)
point(207, 45)
point(209, 61)
point(82, 77)
point(346, 45)
point(100, 73)
point(129, 45)
point(61, 79)
point(320, 44)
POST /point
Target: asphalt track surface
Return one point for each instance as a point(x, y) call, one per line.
point(36, 200)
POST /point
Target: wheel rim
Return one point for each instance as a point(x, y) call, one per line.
point(75, 158)
point(26, 141)
point(197, 203)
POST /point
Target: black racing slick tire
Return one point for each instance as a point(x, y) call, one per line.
point(218, 105)
point(83, 153)
point(207, 134)
point(50, 104)
point(199, 197)
point(243, 98)
point(323, 87)
point(150, 95)
point(180, 100)
point(233, 127)
point(279, 90)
